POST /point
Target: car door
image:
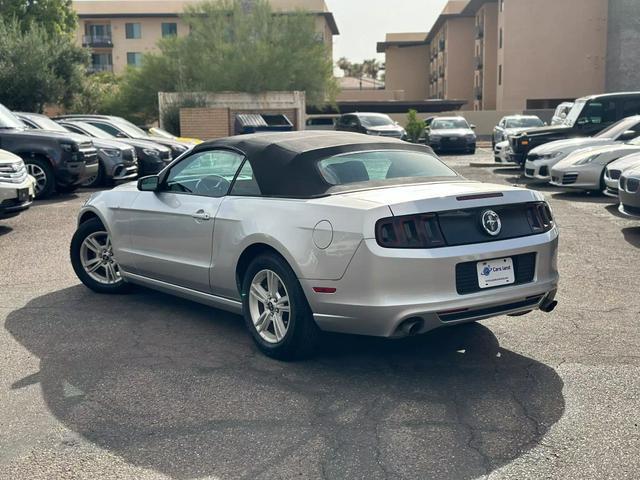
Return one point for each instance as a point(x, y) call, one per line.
point(172, 234)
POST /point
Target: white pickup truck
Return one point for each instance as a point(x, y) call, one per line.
point(17, 187)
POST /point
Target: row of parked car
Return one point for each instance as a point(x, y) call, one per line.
point(596, 148)
point(41, 155)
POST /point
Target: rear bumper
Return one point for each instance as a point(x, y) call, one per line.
point(382, 288)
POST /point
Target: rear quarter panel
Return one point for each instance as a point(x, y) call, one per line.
point(287, 225)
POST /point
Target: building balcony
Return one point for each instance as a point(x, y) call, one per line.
point(479, 62)
point(441, 45)
point(479, 32)
point(97, 41)
point(477, 93)
point(102, 67)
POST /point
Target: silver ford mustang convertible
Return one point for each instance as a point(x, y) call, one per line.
point(310, 231)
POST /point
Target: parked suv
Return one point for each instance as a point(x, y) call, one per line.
point(17, 187)
point(58, 161)
point(588, 116)
point(371, 124)
point(118, 161)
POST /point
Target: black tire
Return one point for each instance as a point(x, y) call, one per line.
point(84, 230)
point(97, 181)
point(303, 334)
point(44, 166)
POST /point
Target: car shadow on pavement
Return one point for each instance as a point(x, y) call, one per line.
point(56, 198)
point(179, 388)
point(4, 230)
point(585, 197)
point(632, 235)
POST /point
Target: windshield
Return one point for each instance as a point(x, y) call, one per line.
point(380, 166)
point(158, 132)
point(524, 122)
point(375, 120)
point(93, 131)
point(617, 129)
point(445, 124)
point(45, 123)
point(129, 128)
point(9, 120)
point(574, 113)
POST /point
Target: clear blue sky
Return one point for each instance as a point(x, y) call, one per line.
point(363, 23)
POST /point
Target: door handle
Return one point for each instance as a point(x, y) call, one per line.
point(201, 215)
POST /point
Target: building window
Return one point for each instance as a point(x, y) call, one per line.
point(101, 62)
point(169, 29)
point(134, 59)
point(501, 38)
point(133, 30)
point(499, 74)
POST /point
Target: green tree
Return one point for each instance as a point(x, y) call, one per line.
point(415, 126)
point(234, 47)
point(57, 17)
point(371, 68)
point(37, 68)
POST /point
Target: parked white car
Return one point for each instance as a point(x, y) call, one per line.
point(584, 169)
point(561, 113)
point(501, 152)
point(512, 124)
point(17, 187)
point(614, 171)
point(541, 159)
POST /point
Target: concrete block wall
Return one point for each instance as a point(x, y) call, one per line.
point(204, 123)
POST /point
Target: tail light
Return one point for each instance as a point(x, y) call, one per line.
point(540, 217)
point(410, 231)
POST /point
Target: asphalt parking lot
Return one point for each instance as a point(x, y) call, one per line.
point(148, 386)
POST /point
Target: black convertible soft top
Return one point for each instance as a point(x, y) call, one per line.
point(285, 163)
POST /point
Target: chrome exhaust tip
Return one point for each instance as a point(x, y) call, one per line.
point(411, 326)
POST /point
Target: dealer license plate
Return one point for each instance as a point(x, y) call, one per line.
point(494, 273)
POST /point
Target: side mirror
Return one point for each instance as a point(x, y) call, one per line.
point(473, 127)
point(628, 135)
point(149, 184)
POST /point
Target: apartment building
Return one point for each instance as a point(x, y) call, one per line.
point(485, 51)
point(450, 58)
point(406, 52)
point(550, 51)
point(120, 32)
point(513, 55)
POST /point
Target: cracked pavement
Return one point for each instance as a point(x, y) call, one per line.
point(148, 386)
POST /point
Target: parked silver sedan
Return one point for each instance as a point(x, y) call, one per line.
point(541, 159)
point(310, 231)
point(629, 192)
point(584, 169)
point(614, 170)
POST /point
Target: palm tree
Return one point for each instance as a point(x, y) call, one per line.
point(345, 65)
point(371, 68)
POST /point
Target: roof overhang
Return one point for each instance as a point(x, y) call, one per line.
point(474, 5)
point(389, 106)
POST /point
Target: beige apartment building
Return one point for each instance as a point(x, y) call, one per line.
point(513, 55)
point(451, 58)
point(120, 33)
point(406, 52)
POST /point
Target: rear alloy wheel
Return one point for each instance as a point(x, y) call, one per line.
point(96, 180)
point(276, 311)
point(93, 259)
point(43, 173)
point(269, 306)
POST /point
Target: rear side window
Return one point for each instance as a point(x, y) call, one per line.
point(630, 107)
point(107, 128)
point(379, 166)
